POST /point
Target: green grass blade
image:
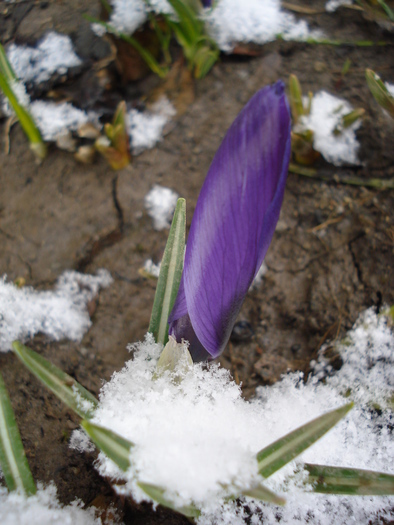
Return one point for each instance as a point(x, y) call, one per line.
point(379, 91)
point(5, 66)
point(285, 449)
point(350, 481)
point(264, 494)
point(13, 461)
point(188, 19)
point(7, 77)
point(157, 494)
point(386, 9)
point(65, 387)
point(204, 60)
point(25, 119)
point(295, 98)
point(114, 446)
point(170, 275)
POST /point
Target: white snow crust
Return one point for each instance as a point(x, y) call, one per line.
point(129, 15)
point(198, 438)
point(160, 204)
point(228, 22)
point(258, 21)
point(55, 119)
point(333, 5)
point(146, 128)
point(59, 314)
point(390, 88)
point(151, 268)
point(52, 119)
point(43, 509)
point(53, 54)
point(326, 115)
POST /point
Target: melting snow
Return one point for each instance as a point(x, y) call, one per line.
point(325, 116)
point(151, 268)
point(228, 22)
point(160, 203)
point(390, 88)
point(54, 119)
point(146, 129)
point(59, 314)
point(129, 15)
point(43, 509)
point(333, 5)
point(199, 438)
point(53, 54)
point(259, 21)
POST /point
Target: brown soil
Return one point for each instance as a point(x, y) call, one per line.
point(331, 256)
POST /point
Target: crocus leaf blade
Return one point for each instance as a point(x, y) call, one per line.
point(296, 103)
point(157, 494)
point(264, 494)
point(349, 481)
point(5, 66)
point(26, 120)
point(235, 219)
point(13, 460)
point(170, 275)
point(116, 447)
point(380, 91)
point(65, 387)
point(277, 454)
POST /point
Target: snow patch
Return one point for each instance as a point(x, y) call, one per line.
point(59, 314)
point(55, 119)
point(129, 15)
point(43, 509)
point(54, 54)
point(259, 21)
point(326, 116)
point(228, 22)
point(390, 88)
point(146, 128)
point(199, 438)
point(333, 5)
point(160, 204)
point(80, 442)
point(151, 268)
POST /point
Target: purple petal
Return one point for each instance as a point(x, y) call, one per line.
point(234, 220)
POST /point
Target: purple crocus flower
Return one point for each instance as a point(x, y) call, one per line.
point(233, 223)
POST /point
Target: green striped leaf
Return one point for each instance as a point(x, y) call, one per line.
point(5, 66)
point(350, 481)
point(275, 456)
point(379, 91)
point(65, 387)
point(157, 494)
point(264, 494)
point(13, 461)
point(114, 446)
point(295, 98)
point(170, 275)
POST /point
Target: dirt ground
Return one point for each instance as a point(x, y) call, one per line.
point(331, 256)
